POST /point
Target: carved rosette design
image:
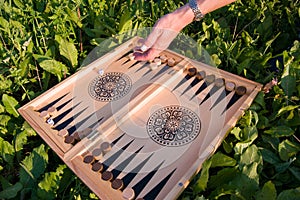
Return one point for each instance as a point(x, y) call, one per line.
point(173, 126)
point(110, 86)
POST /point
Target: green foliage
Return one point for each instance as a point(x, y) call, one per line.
point(43, 42)
point(10, 104)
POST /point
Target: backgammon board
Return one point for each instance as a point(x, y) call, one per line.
point(139, 130)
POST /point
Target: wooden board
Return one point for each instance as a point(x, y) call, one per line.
point(132, 129)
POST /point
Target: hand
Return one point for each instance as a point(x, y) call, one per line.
point(164, 32)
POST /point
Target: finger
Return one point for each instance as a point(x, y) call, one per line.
point(151, 39)
point(164, 40)
point(138, 44)
point(162, 43)
point(150, 54)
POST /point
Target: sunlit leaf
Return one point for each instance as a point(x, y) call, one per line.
point(52, 66)
point(50, 183)
point(287, 149)
point(10, 104)
point(20, 140)
point(7, 151)
point(288, 81)
point(33, 166)
point(2, 109)
point(222, 160)
point(19, 4)
point(267, 192)
point(251, 171)
point(251, 155)
point(28, 129)
point(250, 133)
point(68, 50)
point(280, 131)
point(236, 132)
point(4, 119)
point(201, 183)
point(286, 109)
point(4, 24)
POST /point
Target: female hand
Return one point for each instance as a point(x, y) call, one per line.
point(164, 32)
point(167, 28)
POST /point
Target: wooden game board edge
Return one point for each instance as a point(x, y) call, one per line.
point(225, 74)
point(49, 141)
point(98, 186)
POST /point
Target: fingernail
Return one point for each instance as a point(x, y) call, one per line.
point(144, 48)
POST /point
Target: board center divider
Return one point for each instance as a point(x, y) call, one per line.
point(109, 125)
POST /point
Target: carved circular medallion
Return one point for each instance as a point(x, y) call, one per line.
point(173, 126)
point(110, 86)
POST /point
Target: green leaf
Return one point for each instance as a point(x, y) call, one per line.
point(73, 16)
point(5, 83)
point(221, 160)
point(20, 140)
point(4, 23)
point(11, 192)
point(2, 109)
point(288, 81)
point(251, 171)
point(28, 129)
point(68, 50)
point(19, 4)
point(201, 183)
point(280, 131)
point(272, 141)
point(4, 183)
point(286, 109)
point(296, 172)
point(269, 156)
point(236, 131)
point(226, 191)
point(251, 155)
point(227, 146)
point(4, 119)
point(7, 151)
point(288, 149)
point(267, 192)
point(292, 194)
point(10, 104)
point(49, 185)
point(52, 66)
point(223, 176)
point(282, 167)
point(67, 178)
point(125, 21)
point(245, 185)
point(241, 146)
point(33, 166)
point(250, 133)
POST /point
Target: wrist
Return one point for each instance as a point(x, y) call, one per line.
point(198, 15)
point(185, 14)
